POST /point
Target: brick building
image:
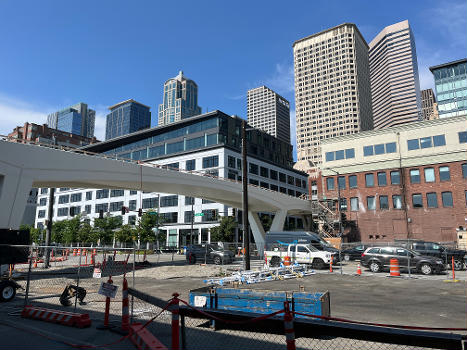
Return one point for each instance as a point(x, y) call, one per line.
point(44, 134)
point(408, 181)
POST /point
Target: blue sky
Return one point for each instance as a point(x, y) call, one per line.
point(57, 53)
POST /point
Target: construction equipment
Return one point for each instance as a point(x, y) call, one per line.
point(70, 292)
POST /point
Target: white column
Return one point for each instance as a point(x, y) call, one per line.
point(279, 220)
point(257, 230)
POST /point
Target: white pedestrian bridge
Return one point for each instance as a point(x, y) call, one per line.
point(26, 165)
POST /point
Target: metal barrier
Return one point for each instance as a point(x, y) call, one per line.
point(202, 328)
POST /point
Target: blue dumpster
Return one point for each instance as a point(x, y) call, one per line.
point(261, 301)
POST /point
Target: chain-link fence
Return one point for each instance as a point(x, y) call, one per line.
point(202, 328)
point(74, 275)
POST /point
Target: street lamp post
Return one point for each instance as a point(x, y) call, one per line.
point(246, 231)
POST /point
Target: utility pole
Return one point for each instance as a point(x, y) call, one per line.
point(246, 230)
point(50, 215)
point(192, 220)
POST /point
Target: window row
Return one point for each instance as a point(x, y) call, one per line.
point(426, 142)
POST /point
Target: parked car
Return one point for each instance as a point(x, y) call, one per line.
point(201, 253)
point(353, 253)
point(437, 250)
point(378, 258)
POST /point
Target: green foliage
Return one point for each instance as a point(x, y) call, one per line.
point(146, 224)
point(58, 231)
point(87, 233)
point(105, 228)
point(126, 234)
point(70, 229)
point(225, 231)
point(35, 234)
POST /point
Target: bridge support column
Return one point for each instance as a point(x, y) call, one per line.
point(279, 220)
point(307, 222)
point(257, 230)
point(14, 192)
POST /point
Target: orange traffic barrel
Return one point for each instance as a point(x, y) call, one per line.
point(394, 268)
point(287, 261)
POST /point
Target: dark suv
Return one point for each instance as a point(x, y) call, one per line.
point(378, 258)
point(436, 250)
point(204, 253)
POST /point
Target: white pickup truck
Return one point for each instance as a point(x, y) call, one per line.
point(298, 253)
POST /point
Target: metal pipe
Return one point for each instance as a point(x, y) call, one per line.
point(246, 231)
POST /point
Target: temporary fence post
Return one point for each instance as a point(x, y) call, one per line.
point(133, 285)
point(107, 310)
point(453, 273)
point(77, 281)
point(183, 333)
point(115, 253)
point(125, 307)
point(330, 265)
point(175, 309)
point(289, 327)
point(26, 297)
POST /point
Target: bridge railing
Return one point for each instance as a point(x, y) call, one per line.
point(138, 162)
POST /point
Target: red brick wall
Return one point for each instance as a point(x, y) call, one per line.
point(435, 224)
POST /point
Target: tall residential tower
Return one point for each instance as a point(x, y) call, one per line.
point(180, 100)
point(429, 105)
point(127, 117)
point(332, 89)
point(270, 112)
point(395, 88)
point(77, 119)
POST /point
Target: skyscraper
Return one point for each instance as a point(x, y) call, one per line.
point(127, 117)
point(270, 112)
point(395, 88)
point(451, 88)
point(332, 89)
point(77, 119)
point(429, 105)
point(180, 100)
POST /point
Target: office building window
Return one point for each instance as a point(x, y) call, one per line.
point(62, 212)
point(446, 197)
point(273, 174)
point(169, 218)
point(464, 170)
point(87, 208)
point(253, 168)
point(330, 183)
point(41, 214)
point(413, 144)
point(75, 197)
point(371, 203)
point(354, 204)
point(290, 180)
point(382, 181)
point(290, 192)
point(44, 190)
point(341, 182)
point(264, 184)
point(444, 174)
point(383, 202)
point(274, 188)
point(210, 162)
point(189, 200)
point(391, 147)
point(188, 216)
point(42, 202)
point(102, 206)
point(63, 199)
point(369, 180)
point(264, 172)
point(283, 190)
point(379, 149)
point(340, 154)
point(133, 192)
point(343, 206)
point(417, 200)
point(209, 215)
point(117, 193)
point(253, 182)
point(431, 200)
point(169, 201)
point(462, 137)
point(282, 177)
point(231, 162)
point(429, 174)
point(190, 164)
point(132, 204)
point(353, 181)
point(425, 142)
point(89, 196)
point(132, 220)
point(116, 206)
point(439, 140)
point(102, 194)
point(151, 202)
point(397, 201)
point(415, 176)
point(395, 177)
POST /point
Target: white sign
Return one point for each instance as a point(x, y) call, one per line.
point(200, 301)
point(97, 273)
point(107, 289)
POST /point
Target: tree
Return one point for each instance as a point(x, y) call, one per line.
point(147, 223)
point(71, 228)
point(225, 231)
point(58, 231)
point(87, 233)
point(126, 234)
point(105, 228)
point(35, 234)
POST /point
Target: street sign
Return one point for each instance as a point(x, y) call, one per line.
point(107, 289)
point(199, 214)
point(97, 273)
point(152, 212)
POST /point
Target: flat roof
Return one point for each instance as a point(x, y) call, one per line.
point(330, 29)
point(463, 60)
point(125, 102)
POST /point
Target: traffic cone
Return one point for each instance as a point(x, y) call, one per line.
point(330, 265)
point(79, 252)
point(74, 252)
point(92, 259)
point(35, 263)
point(359, 270)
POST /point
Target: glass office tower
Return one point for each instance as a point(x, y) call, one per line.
point(127, 117)
point(180, 100)
point(77, 119)
point(451, 88)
